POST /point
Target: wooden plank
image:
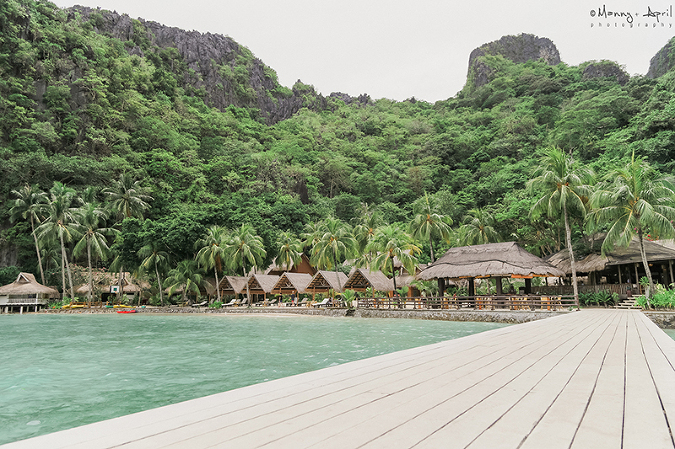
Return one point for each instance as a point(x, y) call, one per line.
point(560, 382)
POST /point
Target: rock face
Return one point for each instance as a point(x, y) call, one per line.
point(224, 72)
point(663, 61)
point(519, 49)
point(606, 69)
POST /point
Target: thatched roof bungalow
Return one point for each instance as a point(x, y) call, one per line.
point(303, 267)
point(492, 260)
point(104, 280)
point(262, 284)
point(232, 285)
point(25, 291)
point(323, 281)
point(290, 283)
point(362, 278)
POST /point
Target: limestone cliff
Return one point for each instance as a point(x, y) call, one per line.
point(519, 49)
point(663, 61)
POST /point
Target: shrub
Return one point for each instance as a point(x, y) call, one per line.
point(216, 305)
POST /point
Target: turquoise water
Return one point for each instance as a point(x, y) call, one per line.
point(670, 332)
point(62, 371)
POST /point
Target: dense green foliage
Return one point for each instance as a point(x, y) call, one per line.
point(78, 108)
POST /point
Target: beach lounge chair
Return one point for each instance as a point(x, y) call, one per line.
point(231, 303)
point(201, 304)
point(303, 302)
point(322, 303)
point(272, 302)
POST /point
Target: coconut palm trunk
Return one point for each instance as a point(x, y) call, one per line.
point(431, 248)
point(648, 272)
point(248, 292)
point(91, 277)
point(159, 282)
point(217, 285)
point(37, 250)
point(119, 284)
point(568, 237)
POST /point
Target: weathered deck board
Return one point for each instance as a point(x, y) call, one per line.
point(592, 379)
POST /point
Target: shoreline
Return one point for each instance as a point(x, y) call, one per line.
point(493, 316)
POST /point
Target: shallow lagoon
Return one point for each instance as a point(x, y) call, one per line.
point(62, 371)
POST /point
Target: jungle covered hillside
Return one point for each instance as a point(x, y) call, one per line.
point(89, 95)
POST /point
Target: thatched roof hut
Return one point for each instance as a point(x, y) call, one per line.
point(26, 287)
point(262, 284)
point(103, 280)
point(490, 260)
point(232, 285)
point(620, 255)
point(361, 279)
point(323, 281)
point(289, 283)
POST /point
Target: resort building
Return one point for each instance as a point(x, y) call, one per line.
point(25, 294)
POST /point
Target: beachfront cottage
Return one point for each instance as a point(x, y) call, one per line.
point(362, 279)
point(232, 285)
point(261, 285)
point(619, 271)
point(327, 281)
point(492, 261)
point(292, 283)
point(25, 294)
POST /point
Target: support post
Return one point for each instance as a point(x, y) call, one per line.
point(619, 268)
point(670, 266)
point(528, 286)
point(498, 285)
point(472, 288)
point(441, 287)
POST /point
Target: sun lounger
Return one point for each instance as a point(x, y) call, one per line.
point(231, 303)
point(272, 302)
point(303, 302)
point(322, 303)
point(201, 304)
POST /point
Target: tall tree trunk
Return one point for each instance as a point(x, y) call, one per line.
point(648, 272)
point(568, 235)
point(248, 292)
point(159, 282)
point(217, 284)
point(63, 270)
point(431, 246)
point(119, 284)
point(37, 250)
point(336, 272)
point(91, 277)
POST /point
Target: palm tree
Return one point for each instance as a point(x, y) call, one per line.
point(635, 200)
point(245, 248)
point(28, 204)
point(93, 236)
point(392, 242)
point(185, 276)
point(157, 258)
point(364, 231)
point(212, 249)
point(429, 225)
point(564, 189)
point(127, 197)
point(478, 228)
point(335, 244)
point(290, 251)
point(58, 225)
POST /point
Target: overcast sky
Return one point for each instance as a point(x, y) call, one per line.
point(400, 49)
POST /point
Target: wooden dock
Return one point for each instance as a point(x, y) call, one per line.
point(589, 379)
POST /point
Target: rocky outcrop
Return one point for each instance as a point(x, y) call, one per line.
point(519, 49)
point(210, 65)
point(663, 60)
point(606, 69)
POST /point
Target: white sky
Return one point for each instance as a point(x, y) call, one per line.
point(406, 48)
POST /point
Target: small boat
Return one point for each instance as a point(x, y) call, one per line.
point(126, 311)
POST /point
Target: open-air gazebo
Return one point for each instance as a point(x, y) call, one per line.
point(25, 292)
point(492, 260)
point(620, 270)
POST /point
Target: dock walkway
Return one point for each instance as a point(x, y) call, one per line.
point(589, 379)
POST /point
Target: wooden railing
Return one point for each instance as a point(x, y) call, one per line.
point(620, 289)
point(490, 302)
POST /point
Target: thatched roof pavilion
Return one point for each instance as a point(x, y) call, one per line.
point(290, 283)
point(303, 267)
point(362, 278)
point(103, 280)
point(25, 291)
point(323, 281)
point(495, 260)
